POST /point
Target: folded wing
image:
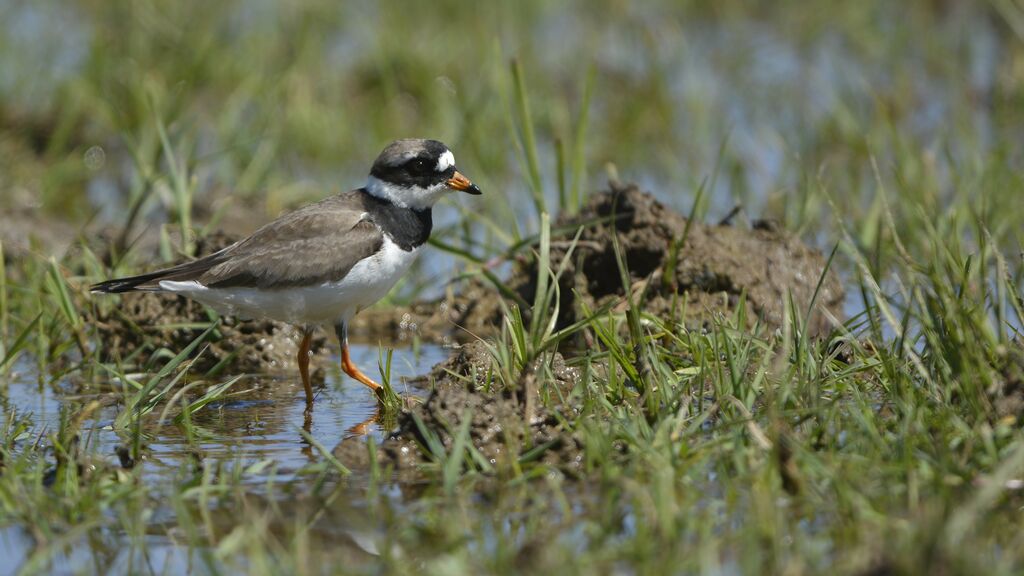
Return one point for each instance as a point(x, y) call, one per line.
point(315, 244)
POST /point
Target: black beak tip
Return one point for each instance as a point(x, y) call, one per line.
point(474, 190)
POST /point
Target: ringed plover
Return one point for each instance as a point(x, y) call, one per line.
point(325, 262)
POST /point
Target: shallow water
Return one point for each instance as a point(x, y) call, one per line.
point(260, 419)
point(259, 422)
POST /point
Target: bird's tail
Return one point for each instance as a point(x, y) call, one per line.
point(143, 282)
point(150, 282)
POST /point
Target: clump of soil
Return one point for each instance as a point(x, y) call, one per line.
point(146, 322)
point(504, 425)
point(714, 267)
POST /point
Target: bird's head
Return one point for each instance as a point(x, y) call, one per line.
point(415, 173)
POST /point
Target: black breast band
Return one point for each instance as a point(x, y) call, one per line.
point(406, 227)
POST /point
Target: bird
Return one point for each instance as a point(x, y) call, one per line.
point(324, 262)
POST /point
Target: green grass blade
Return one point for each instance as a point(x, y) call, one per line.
point(20, 342)
point(136, 402)
point(529, 139)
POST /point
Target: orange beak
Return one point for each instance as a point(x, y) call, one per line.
point(463, 184)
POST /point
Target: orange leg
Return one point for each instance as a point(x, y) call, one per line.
point(307, 339)
point(346, 361)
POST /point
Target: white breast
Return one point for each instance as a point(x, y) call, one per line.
point(366, 283)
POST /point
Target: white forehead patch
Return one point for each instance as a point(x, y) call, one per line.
point(446, 161)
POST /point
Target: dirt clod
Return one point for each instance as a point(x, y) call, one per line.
point(501, 427)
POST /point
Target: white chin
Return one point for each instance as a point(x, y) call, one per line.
point(406, 196)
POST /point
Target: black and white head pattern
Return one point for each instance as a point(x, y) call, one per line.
point(412, 173)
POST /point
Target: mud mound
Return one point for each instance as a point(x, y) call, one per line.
point(504, 426)
point(146, 322)
point(715, 266)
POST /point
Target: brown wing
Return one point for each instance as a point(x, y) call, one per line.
point(317, 243)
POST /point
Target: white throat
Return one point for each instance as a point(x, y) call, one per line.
point(406, 196)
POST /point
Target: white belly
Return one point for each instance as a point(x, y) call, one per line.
point(368, 281)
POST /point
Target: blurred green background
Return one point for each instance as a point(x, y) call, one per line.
point(781, 106)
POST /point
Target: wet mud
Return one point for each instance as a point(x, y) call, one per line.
point(505, 427)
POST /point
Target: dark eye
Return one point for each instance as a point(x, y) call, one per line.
point(420, 165)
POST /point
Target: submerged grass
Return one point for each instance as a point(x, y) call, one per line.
point(891, 445)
